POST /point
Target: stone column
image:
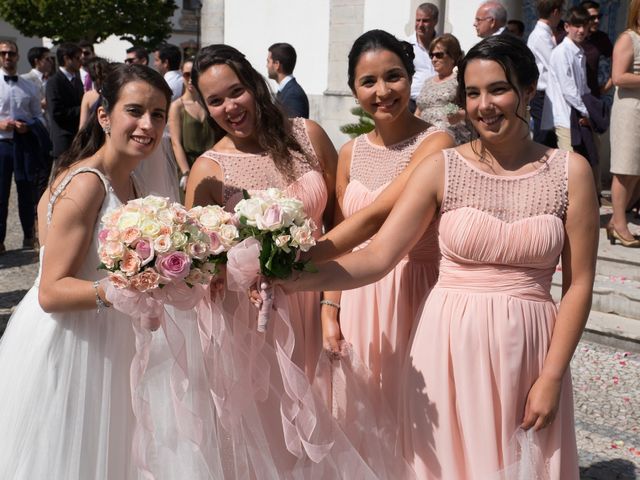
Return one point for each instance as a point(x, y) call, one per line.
point(346, 22)
point(212, 22)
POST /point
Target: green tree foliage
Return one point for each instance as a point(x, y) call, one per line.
point(364, 125)
point(142, 22)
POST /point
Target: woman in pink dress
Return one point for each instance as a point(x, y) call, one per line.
point(486, 387)
point(259, 148)
point(380, 72)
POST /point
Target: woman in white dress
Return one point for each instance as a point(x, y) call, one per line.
point(65, 408)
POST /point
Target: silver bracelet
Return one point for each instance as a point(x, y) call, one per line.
point(330, 303)
point(100, 303)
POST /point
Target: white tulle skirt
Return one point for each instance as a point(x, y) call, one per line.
point(65, 407)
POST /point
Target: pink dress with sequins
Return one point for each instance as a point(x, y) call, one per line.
point(377, 319)
point(258, 172)
point(485, 329)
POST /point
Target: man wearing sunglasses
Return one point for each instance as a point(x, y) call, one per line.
point(596, 47)
point(137, 56)
point(19, 147)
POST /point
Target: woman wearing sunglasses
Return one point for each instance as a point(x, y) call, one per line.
point(437, 100)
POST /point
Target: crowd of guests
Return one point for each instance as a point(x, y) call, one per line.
point(425, 345)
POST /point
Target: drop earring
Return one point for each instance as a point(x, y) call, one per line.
point(107, 130)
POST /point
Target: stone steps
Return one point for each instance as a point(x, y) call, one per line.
point(615, 310)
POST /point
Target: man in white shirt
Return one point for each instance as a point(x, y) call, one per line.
point(19, 110)
point(166, 60)
point(491, 19)
point(568, 83)
point(426, 21)
point(542, 42)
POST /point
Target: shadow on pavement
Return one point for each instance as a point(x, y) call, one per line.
point(18, 258)
point(617, 469)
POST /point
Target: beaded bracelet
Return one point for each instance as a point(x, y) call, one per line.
point(330, 303)
point(100, 303)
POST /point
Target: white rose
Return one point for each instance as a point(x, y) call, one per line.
point(165, 216)
point(228, 235)
point(150, 228)
point(129, 219)
point(302, 236)
point(293, 210)
point(155, 202)
point(282, 241)
point(162, 244)
point(250, 209)
point(178, 239)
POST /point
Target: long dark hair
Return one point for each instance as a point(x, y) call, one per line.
point(379, 40)
point(273, 129)
point(513, 56)
point(91, 137)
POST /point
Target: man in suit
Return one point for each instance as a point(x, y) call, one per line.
point(491, 19)
point(20, 118)
point(280, 64)
point(64, 94)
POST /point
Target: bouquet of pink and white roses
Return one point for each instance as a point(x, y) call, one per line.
point(151, 243)
point(274, 229)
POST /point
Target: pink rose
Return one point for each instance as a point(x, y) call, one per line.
point(106, 260)
point(197, 250)
point(215, 245)
point(272, 219)
point(102, 236)
point(147, 280)
point(130, 235)
point(130, 263)
point(119, 280)
point(144, 249)
point(165, 230)
point(174, 265)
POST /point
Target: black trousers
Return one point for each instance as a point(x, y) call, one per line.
point(26, 194)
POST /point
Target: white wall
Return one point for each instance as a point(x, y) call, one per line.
point(252, 27)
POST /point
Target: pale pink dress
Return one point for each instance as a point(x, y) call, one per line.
point(259, 172)
point(485, 329)
point(377, 319)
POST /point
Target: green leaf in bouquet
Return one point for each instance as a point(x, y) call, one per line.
point(245, 194)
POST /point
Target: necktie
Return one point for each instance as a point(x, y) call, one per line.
point(10, 78)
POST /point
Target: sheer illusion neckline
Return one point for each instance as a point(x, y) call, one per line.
point(520, 176)
point(393, 145)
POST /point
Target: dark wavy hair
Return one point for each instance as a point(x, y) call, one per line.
point(513, 56)
point(273, 129)
point(379, 40)
point(98, 69)
point(91, 137)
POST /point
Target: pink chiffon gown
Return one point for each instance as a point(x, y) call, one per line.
point(377, 319)
point(258, 172)
point(485, 329)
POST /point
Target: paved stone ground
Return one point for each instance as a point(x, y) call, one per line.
point(606, 381)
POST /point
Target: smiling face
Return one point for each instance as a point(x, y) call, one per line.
point(136, 121)
point(494, 106)
point(9, 57)
point(577, 33)
point(230, 103)
point(382, 85)
point(442, 63)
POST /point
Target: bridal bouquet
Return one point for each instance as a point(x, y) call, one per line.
point(150, 243)
point(274, 229)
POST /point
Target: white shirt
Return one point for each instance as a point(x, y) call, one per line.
point(422, 64)
point(84, 73)
point(18, 101)
point(541, 42)
point(567, 82)
point(498, 32)
point(174, 80)
point(70, 76)
point(284, 81)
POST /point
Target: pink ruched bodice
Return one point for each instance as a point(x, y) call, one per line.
point(484, 332)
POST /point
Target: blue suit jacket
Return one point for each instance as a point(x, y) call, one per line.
point(293, 100)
